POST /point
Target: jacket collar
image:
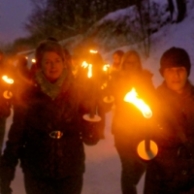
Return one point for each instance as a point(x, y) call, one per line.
point(51, 89)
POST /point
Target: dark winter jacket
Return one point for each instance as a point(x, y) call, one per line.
point(173, 168)
point(47, 135)
point(5, 109)
point(128, 121)
point(5, 103)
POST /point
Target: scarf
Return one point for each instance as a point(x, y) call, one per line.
point(51, 89)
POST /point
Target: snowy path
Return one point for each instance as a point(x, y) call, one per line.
point(103, 168)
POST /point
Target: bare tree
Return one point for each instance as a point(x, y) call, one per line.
point(143, 8)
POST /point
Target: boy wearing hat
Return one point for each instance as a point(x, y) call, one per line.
point(172, 171)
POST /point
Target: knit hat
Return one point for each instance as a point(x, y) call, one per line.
point(48, 46)
point(175, 57)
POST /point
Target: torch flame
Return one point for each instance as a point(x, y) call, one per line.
point(93, 51)
point(132, 97)
point(89, 66)
point(33, 60)
point(84, 64)
point(89, 71)
point(7, 79)
point(106, 67)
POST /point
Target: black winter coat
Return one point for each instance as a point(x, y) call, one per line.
point(172, 170)
point(31, 140)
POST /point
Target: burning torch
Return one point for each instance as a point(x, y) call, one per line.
point(92, 116)
point(147, 149)
point(7, 93)
point(108, 98)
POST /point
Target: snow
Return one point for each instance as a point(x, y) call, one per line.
point(102, 162)
point(172, 34)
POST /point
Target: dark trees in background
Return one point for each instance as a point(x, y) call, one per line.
point(65, 18)
point(144, 16)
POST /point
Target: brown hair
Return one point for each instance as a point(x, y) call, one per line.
point(175, 57)
point(129, 54)
point(47, 46)
point(120, 53)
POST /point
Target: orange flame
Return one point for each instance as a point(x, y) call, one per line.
point(33, 60)
point(89, 71)
point(106, 67)
point(89, 66)
point(93, 51)
point(7, 79)
point(84, 64)
point(7, 94)
point(132, 97)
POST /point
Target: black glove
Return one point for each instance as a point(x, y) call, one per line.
point(92, 133)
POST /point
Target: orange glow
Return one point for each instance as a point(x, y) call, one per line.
point(147, 154)
point(89, 71)
point(84, 64)
point(132, 97)
point(93, 51)
point(7, 79)
point(7, 94)
point(89, 66)
point(106, 67)
point(33, 60)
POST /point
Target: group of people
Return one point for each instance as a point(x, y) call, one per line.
point(170, 127)
point(48, 132)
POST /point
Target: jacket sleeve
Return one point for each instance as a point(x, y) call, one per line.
point(10, 156)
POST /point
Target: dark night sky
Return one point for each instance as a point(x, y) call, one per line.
point(13, 14)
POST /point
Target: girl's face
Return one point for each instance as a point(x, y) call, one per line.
point(131, 63)
point(52, 65)
point(116, 59)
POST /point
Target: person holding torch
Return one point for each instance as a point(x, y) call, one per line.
point(5, 106)
point(48, 132)
point(172, 171)
point(129, 126)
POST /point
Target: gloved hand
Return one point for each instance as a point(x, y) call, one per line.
point(91, 132)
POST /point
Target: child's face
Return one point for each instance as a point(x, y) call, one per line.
point(131, 63)
point(116, 59)
point(176, 78)
point(52, 66)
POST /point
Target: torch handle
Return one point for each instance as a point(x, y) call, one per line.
point(92, 112)
point(147, 145)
